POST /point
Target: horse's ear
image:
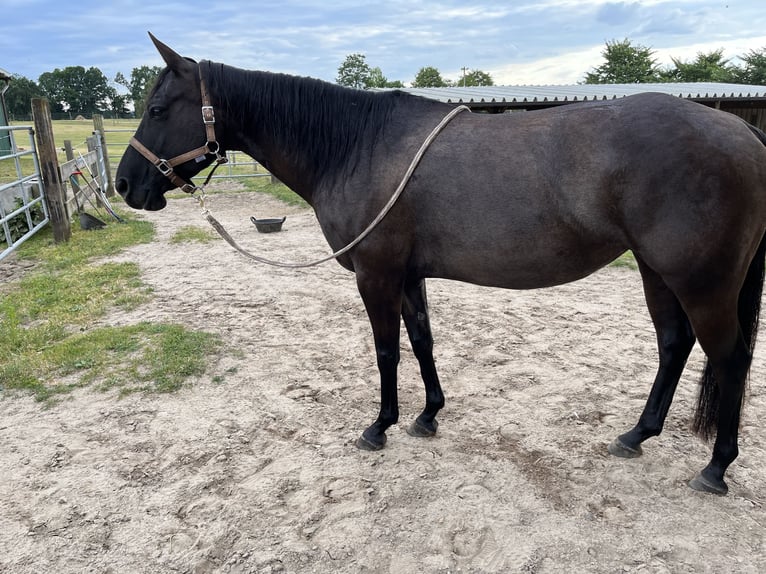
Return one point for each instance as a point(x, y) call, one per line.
point(173, 60)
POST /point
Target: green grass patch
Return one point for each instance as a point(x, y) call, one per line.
point(191, 233)
point(144, 357)
point(626, 260)
point(48, 340)
point(74, 297)
point(85, 245)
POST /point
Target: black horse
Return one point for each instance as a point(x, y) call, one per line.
point(518, 201)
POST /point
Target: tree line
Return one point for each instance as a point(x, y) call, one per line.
point(355, 72)
point(75, 90)
point(624, 63)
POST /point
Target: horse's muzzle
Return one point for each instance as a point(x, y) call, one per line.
point(138, 200)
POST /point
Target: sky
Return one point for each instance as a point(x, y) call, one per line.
point(531, 42)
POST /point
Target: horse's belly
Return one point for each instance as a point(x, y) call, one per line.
point(523, 267)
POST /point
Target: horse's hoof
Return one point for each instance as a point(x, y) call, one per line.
point(369, 444)
point(418, 429)
point(702, 484)
point(619, 448)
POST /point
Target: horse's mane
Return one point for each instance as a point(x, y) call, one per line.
point(332, 125)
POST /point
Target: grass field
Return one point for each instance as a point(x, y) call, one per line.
point(75, 131)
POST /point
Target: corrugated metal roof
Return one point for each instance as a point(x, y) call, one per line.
point(586, 92)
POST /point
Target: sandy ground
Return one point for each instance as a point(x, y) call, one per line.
point(257, 472)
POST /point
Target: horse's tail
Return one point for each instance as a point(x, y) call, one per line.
point(760, 134)
point(748, 312)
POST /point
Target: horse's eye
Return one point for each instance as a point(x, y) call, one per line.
point(156, 112)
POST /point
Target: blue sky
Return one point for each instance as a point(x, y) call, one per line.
point(524, 42)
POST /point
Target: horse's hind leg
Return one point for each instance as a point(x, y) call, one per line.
point(675, 340)
point(415, 315)
point(721, 338)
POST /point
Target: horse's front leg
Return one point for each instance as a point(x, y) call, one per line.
point(382, 298)
point(415, 315)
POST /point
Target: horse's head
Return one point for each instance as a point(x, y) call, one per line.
point(174, 141)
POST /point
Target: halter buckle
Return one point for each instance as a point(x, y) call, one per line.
point(208, 115)
point(164, 166)
point(189, 188)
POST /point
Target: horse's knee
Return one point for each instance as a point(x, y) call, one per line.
point(388, 358)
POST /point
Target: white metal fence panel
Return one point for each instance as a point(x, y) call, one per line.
point(22, 209)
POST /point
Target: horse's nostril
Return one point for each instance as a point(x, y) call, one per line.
point(121, 185)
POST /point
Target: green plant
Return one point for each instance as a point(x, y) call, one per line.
point(19, 225)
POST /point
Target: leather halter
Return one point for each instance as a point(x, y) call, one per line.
point(165, 166)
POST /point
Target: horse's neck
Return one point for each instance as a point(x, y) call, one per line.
point(304, 132)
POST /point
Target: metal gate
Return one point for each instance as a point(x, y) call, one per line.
point(22, 209)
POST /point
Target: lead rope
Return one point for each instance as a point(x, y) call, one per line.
point(408, 174)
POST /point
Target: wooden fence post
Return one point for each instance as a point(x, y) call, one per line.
point(55, 192)
point(98, 125)
point(92, 142)
point(68, 150)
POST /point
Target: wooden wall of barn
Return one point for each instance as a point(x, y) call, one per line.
point(753, 115)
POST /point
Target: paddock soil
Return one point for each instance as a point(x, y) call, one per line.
point(252, 468)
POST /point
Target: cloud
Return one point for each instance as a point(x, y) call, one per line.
point(617, 13)
point(732, 49)
point(566, 68)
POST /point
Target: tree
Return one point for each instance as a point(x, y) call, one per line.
point(394, 84)
point(20, 92)
point(76, 90)
point(754, 69)
point(354, 72)
point(141, 82)
point(476, 78)
point(376, 79)
point(98, 94)
point(120, 104)
point(429, 77)
point(52, 87)
point(710, 67)
point(625, 64)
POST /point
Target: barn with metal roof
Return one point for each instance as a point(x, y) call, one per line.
point(748, 102)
